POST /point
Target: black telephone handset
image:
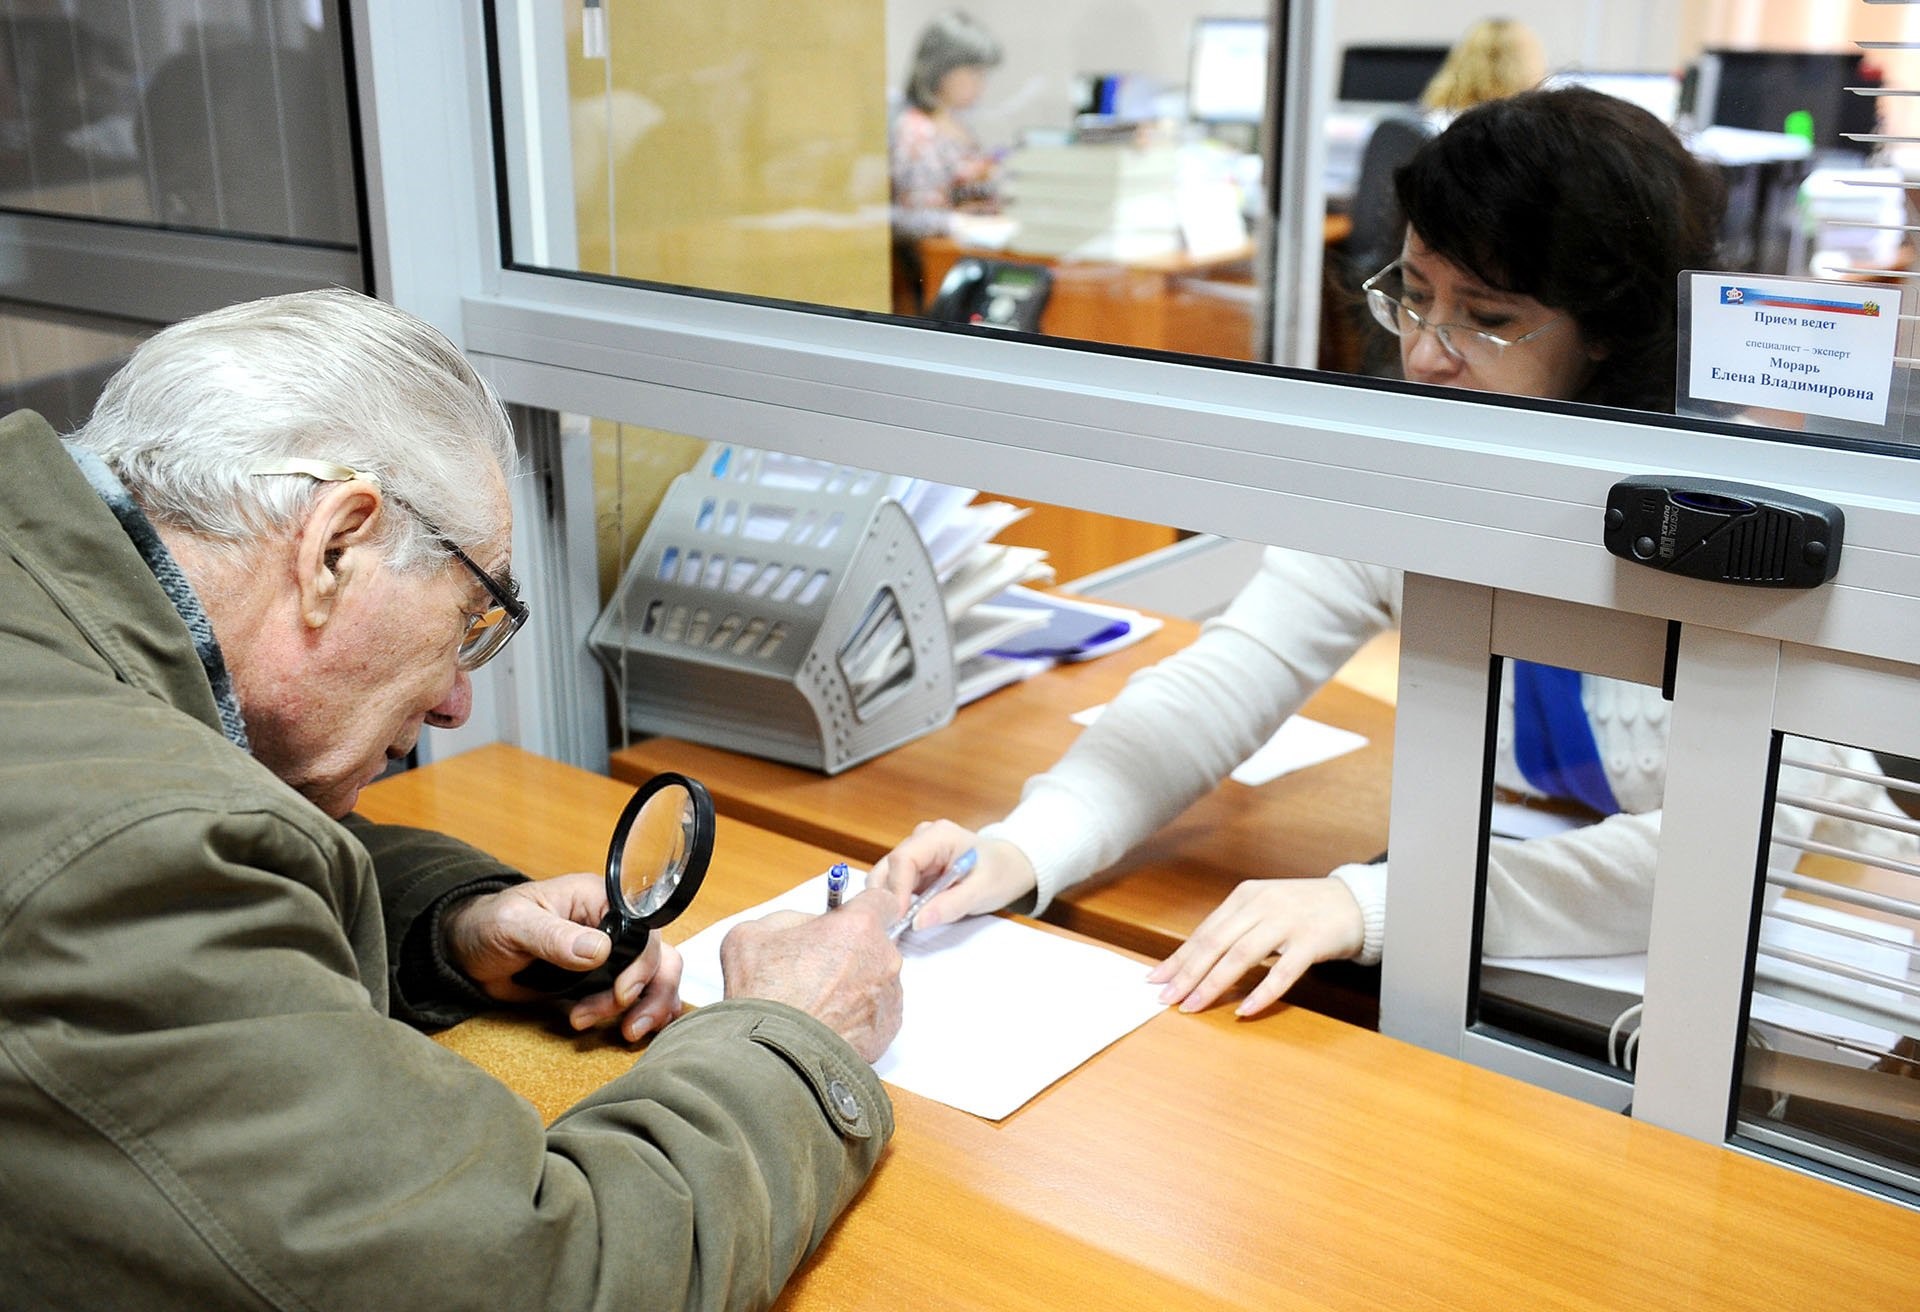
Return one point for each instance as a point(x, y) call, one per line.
point(993, 294)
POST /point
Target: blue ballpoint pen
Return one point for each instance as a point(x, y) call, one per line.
point(953, 874)
point(836, 884)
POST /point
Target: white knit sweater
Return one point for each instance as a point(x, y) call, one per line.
point(1180, 726)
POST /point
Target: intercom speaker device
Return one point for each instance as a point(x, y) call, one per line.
point(1726, 532)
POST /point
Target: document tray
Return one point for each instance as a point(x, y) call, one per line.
point(802, 625)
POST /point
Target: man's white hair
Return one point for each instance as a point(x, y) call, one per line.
point(322, 375)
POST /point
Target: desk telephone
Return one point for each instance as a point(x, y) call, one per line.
point(993, 294)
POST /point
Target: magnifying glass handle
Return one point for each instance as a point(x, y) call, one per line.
point(545, 977)
point(629, 940)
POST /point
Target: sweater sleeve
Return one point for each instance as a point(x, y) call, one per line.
point(1180, 726)
point(1585, 893)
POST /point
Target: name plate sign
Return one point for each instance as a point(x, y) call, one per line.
point(1818, 348)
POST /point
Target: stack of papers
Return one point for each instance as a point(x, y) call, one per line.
point(995, 1010)
point(1034, 631)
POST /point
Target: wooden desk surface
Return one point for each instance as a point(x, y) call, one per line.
point(1303, 824)
point(1203, 1163)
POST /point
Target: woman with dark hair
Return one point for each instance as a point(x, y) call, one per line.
point(938, 168)
point(1545, 235)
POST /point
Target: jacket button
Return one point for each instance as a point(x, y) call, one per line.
point(843, 1099)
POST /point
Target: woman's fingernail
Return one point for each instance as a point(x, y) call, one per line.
point(586, 945)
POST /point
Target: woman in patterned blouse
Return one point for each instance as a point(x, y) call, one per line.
point(938, 167)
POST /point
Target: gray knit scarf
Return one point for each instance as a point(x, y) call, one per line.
point(173, 581)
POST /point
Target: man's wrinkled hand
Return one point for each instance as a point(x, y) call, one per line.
point(494, 936)
point(840, 968)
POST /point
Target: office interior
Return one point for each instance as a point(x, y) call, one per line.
point(709, 169)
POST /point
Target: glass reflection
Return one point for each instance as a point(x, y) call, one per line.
point(1831, 1069)
point(1108, 164)
point(56, 363)
point(228, 117)
point(1579, 770)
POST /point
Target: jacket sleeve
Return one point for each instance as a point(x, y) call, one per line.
point(201, 1051)
point(420, 875)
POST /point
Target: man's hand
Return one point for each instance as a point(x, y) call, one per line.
point(839, 968)
point(496, 935)
point(1303, 920)
point(1001, 875)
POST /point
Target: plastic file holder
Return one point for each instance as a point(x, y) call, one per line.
point(801, 624)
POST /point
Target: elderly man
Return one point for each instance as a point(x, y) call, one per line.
point(272, 555)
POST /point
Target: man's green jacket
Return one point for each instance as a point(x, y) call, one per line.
point(204, 1099)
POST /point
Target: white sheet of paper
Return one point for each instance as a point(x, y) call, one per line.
point(995, 1010)
point(1295, 745)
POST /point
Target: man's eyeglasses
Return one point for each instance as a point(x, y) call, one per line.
point(1475, 347)
point(487, 630)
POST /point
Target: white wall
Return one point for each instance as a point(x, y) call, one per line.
point(1613, 35)
point(1049, 44)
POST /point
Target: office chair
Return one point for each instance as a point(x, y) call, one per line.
point(1375, 238)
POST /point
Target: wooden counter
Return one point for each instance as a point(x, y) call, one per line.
point(1203, 1163)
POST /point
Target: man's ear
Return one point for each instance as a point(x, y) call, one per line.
point(333, 547)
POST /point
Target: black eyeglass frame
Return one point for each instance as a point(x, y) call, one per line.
point(1443, 333)
point(504, 618)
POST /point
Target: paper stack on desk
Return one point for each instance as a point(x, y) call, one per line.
point(1098, 201)
point(995, 1010)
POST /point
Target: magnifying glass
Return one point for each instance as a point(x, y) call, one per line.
point(655, 864)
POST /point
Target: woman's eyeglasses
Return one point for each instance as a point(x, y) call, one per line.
point(1475, 347)
point(487, 630)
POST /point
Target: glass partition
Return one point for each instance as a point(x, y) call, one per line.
point(224, 117)
point(1057, 173)
point(1831, 1066)
point(1571, 835)
point(56, 363)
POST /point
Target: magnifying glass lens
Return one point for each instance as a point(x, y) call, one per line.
point(656, 862)
point(655, 856)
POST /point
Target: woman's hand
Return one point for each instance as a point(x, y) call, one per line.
point(496, 935)
point(1303, 920)
point(1001, 875)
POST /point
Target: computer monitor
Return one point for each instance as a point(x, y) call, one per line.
point(1760, 89)
point(1388, 73)
point(1657, 93)
point(1227, 79)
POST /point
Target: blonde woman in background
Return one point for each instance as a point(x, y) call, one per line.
point(1497, 57)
